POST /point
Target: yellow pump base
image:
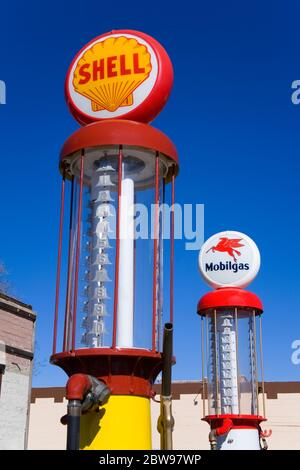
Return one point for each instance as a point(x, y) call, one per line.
point(124, 423)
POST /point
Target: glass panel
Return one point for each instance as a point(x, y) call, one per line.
point(97, 260)
point(131, 167)
point(260, 367)
point(160, 273)
point(135, 290)
point(144, 250)
point(232, 367)
point(228, 368)
point(71, 266)
point(212, 361)
point(247, 362)
point(64, 268)
point(143, 300)
point(165, 217)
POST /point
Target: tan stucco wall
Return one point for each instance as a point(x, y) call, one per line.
point(46, 432)
point(284, 420)
point(45, 429)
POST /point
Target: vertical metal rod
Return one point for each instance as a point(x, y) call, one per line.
point(252, 366)
point(262, 366)
point(120, 176)
point(255, 359)
point(203, 365)
point(237, 358)
point(69, 275)
point(208, 386)
point(216, 363)
point(166, 385)
point(172, 252)
point(155, 246)
point(166, 421)
point(61, 221)
point(73, 429)
point(134, 273)
point(77, 251)
point(160, 263)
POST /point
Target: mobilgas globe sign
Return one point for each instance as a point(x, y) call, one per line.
point(229, 259)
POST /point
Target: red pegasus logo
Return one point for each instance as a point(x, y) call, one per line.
point(228, 245)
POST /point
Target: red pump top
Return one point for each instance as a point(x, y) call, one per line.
point(229, 297)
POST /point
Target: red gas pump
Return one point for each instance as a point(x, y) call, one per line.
point(231, 336)
point(116, 170)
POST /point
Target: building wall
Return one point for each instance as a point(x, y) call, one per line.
point(282, 410)
point(284, 421)
point(17, 322)
point(14, 409)
point(45, 430)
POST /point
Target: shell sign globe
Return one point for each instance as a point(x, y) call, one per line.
point(229, 259)
point(122, 74)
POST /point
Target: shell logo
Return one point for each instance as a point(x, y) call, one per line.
point(110, 71)
point(122, 74)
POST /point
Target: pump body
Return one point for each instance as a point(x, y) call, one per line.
point(113, 322)
point(233, 393)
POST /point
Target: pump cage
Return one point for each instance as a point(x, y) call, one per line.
point(210, 345)
point(74, 250)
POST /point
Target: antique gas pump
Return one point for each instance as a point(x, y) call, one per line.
point(116, 169)
point(233, 392)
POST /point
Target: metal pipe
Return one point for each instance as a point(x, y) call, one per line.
point(73, 431)
point(213, 439)
point(167, 360)
point(264, 444)
point(221, 430)
point(172, 251)
point(165, 423)
point(84, 393)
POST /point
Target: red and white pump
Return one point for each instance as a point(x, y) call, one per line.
point(232, 362)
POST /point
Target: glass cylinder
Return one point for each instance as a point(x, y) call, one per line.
point(114, 294)
point(230, 349)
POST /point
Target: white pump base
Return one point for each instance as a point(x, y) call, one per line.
point(239, 439)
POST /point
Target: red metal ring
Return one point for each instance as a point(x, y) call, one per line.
point(238, 421)
point(120, 132)
point(125, 371)
point(229, 297)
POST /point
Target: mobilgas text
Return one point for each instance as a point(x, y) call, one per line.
point(227, 266)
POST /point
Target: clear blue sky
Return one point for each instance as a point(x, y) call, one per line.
point(230, 115)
